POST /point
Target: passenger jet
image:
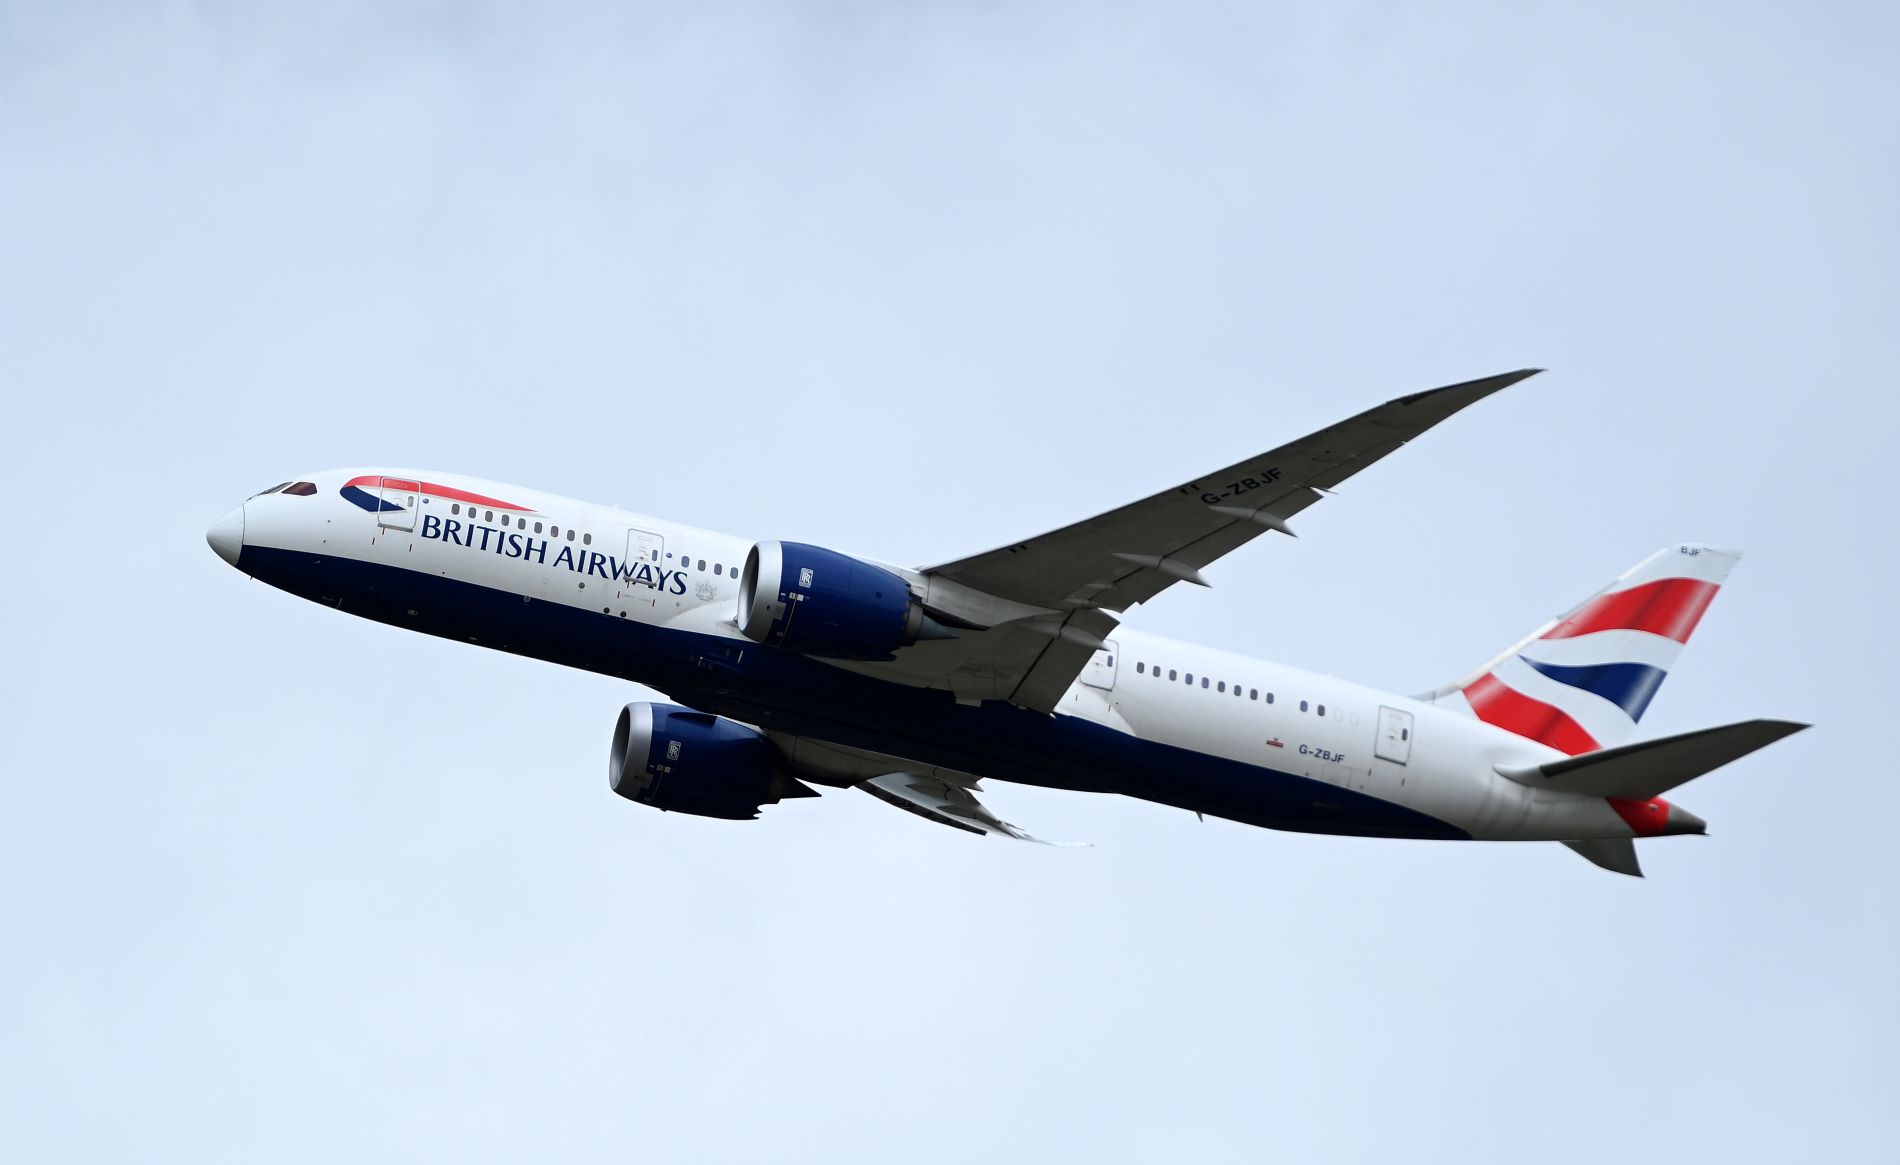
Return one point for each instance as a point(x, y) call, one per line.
point(793, 666)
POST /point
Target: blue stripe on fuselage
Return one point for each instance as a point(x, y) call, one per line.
point(1630, 686)
point(784, 691)
point(368, 501)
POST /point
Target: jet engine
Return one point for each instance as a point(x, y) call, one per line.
point(683, 761)
point(819, 602)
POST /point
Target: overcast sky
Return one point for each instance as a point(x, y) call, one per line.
point(913, 280)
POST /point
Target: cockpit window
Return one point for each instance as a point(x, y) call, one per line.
point(302, 489)
point(273, 489)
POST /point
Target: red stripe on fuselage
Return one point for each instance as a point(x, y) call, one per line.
point(437, 491)
point(1670, 607)
point(1509, 709)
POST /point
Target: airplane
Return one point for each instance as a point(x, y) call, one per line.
point(793, 666)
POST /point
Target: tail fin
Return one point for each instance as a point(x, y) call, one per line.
point(1582, 681)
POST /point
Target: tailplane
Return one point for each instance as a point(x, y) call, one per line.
point(1582, 681)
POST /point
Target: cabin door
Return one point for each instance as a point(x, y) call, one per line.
point(644, 549)
point(1394, 742)
point(400, 500)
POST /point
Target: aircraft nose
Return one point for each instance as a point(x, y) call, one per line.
point(226, 535)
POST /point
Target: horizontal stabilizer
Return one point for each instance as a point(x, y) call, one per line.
point(943, 802)
point(1615, 854)
point(1643, 770)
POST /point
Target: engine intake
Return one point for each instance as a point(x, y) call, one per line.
point(682, 761)
point(819, 602)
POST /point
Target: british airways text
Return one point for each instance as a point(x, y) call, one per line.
point(511, 544)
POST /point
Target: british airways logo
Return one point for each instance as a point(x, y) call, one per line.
point(516, 544)
point(506, 543)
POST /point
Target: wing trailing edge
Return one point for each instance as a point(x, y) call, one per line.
point(945, 803)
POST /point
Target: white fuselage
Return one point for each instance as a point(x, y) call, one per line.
point(548, 576)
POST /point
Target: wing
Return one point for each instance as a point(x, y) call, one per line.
point(1039, 608)
point(945, 796)
point(1127, 556)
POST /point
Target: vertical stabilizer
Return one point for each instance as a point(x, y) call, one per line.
point(1582, 681)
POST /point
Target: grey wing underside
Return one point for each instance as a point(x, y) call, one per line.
point(945, 796)
point(1044, 605)
point(945, 803)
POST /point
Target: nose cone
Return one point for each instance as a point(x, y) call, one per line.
point(226, 535)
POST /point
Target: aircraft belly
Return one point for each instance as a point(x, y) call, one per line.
point(807, 697)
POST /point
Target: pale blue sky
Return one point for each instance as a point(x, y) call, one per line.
point(283, 885)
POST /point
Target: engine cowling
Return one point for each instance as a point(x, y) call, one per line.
point(819, 602)
point(682, 761)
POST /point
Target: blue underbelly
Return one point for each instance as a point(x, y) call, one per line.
point(793, 693)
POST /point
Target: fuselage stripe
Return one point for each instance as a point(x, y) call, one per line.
point(434, 490)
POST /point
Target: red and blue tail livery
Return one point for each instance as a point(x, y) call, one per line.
point(1582, 681)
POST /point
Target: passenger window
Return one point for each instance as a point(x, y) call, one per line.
point(302, 489)
point(1170, 673)
point(587, 539)
point(537, 527)
point(504, 519)
point(1302, 705)
point(456, 508)
point(1140, 668)
point(1405, 734)
point(1190, 679)
point(719, 569)
point(1322, 709)
point(1203, 681)
point(1253, 693)
point(554, 531)
point(702, 564)
point(1269, 697)
point(570, 533)
point(489, 516)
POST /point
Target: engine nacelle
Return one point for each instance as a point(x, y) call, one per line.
point(683, 761)
point(819, 602)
